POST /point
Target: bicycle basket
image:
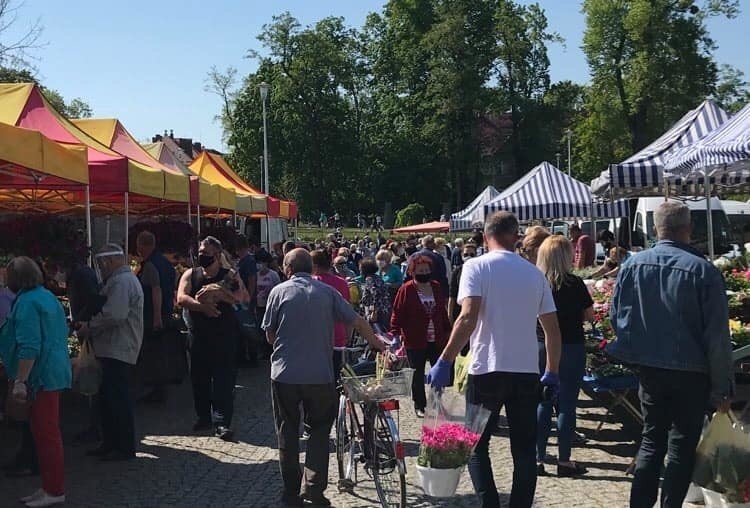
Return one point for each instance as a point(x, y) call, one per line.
point(366, 389)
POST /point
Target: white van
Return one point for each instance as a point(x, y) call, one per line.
point(738, 213)
point(644, 234)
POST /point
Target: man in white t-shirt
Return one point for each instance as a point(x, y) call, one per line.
point(501, 296)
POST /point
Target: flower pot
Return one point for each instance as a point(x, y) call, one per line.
point(439, 482)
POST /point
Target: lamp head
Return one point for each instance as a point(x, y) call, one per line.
point(264, 90)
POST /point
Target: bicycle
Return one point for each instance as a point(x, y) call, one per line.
point(373, 440)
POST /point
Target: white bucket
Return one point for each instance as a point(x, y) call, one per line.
point(439, 482)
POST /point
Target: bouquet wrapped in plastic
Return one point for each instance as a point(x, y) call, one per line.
point(722, 464)
point(451, 430)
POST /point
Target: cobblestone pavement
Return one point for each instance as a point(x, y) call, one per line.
point(176, 468)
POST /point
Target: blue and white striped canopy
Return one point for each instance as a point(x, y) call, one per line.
point(724, 148)
point(474, 213)
point(545, 192)
point(643, 173)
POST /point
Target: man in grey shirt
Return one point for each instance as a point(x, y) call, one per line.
point(299, 320)
point(116, 334)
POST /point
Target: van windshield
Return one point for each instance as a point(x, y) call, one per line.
point(722, 239)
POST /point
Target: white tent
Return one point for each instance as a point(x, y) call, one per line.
point(474, 213)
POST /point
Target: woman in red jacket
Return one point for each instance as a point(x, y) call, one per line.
point(420, 318)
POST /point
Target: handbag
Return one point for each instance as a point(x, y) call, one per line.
point(16, 410)
point(87, 373)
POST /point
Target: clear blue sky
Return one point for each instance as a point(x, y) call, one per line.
point(145, 62)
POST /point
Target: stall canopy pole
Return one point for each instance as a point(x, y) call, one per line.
point(127, 226)
point(709, 219)
point(198, 221)
point(88, 222)
point(188, 210)
point(612, 204)
point(107, 229)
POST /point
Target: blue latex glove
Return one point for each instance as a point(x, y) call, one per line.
point(552, 381)
point(440, 374)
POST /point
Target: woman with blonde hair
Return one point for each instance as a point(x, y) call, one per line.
point(531, 242)
point(574, 307)
point(34, 351)
point(390, 273)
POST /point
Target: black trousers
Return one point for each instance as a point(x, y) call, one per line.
point(417, 360)
point(674, 405)
point(319, 405)
point(519, 393)
point(116, 406)
point(213, 371)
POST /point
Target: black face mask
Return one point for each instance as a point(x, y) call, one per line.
point(205, 260)
point(422, 277)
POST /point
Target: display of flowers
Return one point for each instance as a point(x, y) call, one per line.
point(740, 333)
point(738, 280)
point(447, 446)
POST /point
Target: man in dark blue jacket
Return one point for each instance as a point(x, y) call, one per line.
point(670, 314)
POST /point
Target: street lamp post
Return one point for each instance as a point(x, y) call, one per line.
point(570, 136)
point(260, 159)
point(263, 96)
point(558, 159)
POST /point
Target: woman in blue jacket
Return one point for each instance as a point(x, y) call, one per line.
point(34, 350)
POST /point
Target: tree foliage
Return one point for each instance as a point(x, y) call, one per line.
point(431, 100)
point(650, 61)
point(410, 215)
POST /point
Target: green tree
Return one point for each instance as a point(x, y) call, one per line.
point(732, 91)
point(410, 215)
point(650, 62)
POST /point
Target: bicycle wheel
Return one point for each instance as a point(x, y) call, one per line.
point(345, 446)
point(389, 470)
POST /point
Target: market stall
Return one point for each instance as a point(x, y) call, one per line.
point(474, 213)
point(545, 192)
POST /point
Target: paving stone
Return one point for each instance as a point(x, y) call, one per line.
point(176, 468)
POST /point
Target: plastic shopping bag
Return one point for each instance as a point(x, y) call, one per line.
point(87, 373)
point(461, 372)
point(451, 430)
point(723, 460)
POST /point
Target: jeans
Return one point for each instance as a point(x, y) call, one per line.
point(572, 368)
point(417, 360)
point(116, 406)
point(319, 404)
point(519, 393)
point(44, 419)
point(213, 372)
point(674, 404)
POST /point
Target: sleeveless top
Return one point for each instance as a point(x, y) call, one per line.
point(226, 322)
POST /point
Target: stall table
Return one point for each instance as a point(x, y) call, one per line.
point(619, 388)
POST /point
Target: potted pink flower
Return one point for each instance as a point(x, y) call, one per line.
point(443, 453)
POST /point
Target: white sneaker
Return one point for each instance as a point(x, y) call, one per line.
point(35, 495)
point(45, 500)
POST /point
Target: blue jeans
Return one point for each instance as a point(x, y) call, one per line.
point(519, 393)
point(674, 404)
point(572, 368)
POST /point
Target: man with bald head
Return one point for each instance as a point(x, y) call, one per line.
point(299, 324)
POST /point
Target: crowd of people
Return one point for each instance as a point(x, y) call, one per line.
point(510, 301)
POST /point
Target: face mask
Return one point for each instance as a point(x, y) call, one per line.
point(422, 277)
point(382, 265)
point(205, 260)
